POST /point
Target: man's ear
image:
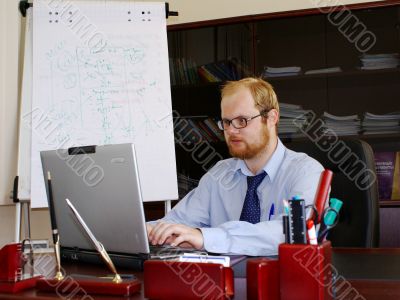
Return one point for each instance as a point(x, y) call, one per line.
point(273, 117)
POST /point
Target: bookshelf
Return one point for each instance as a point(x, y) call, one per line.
point(306, 39)
point(390, 203)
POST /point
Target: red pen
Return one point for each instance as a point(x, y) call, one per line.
point(322, 194)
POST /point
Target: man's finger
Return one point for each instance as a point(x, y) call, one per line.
point(173, 229)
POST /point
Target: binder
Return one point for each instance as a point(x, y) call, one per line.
point(187, 281)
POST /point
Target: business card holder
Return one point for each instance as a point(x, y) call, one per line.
point(187, 280)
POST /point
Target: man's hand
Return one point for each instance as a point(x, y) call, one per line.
point(174, 234)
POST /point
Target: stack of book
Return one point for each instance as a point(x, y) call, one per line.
point(323, 71)
point(388, 173)
point(218, 71)
point(197, 129)
point(183, 71)
point(342, 125)
point(379, 61)
point(381, 124)
point(280, 72)
point(292, 119)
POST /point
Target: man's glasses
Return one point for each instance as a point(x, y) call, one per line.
point(238, 122)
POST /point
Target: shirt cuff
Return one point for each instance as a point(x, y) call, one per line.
point(215, 240)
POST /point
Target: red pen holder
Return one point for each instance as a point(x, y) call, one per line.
point(262, 279)
point(305, 271)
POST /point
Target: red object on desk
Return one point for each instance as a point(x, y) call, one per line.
point(305, 271)
point(262, 279)
point(322, 193)
point(11, 262)
point(17, 286)
point(76, 285)
point(188, 281)
point(11, 258)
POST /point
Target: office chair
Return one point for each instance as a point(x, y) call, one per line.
point(354, 182)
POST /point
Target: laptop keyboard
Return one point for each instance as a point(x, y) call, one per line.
point(167, 251)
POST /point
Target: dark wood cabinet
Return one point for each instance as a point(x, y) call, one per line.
point(310, 40)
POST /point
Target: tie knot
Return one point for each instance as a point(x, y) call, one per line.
point(256, 180)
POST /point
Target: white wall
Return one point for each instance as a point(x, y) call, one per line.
point(194, 10)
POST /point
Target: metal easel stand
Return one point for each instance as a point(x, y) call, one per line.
point(21, 207)
point(25, 4)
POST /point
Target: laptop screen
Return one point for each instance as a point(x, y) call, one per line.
point(102, 182)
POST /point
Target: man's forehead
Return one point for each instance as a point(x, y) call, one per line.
point(232, 110)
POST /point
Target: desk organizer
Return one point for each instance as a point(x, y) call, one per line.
point(305, 271)
point(12, 279)
point(72, 285)
point(185, 280)
point(262, 279)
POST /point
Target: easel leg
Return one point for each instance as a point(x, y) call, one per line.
point(17, 233)
point(167, 206)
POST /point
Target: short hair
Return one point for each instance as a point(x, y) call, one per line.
point(263, 93)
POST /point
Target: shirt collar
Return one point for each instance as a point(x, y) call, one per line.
point(271, 167)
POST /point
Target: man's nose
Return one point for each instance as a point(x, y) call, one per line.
point(231, 129)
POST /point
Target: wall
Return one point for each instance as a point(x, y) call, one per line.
point(194, 11)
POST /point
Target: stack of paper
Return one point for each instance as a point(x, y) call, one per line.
point(282, 71)
point(342, 125)
point(292, 119)
point(381, 124)
point(379, 61)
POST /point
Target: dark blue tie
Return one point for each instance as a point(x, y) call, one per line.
point(251, 211)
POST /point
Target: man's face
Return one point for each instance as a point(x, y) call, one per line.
point(248, 142)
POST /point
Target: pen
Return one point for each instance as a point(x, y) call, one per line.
point(54, 229)
point(99, 246)
point(271, 212)
point(286, 206)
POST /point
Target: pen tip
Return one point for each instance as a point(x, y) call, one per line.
point(48, 175)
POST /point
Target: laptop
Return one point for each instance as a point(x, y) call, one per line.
point(102, 183)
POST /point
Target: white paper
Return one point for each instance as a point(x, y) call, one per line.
point(100, 76)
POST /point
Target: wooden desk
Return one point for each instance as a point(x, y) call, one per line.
point(374, 273)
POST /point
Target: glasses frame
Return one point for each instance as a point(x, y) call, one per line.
point(221, 123)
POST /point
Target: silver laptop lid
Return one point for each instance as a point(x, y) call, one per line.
point(104, 186)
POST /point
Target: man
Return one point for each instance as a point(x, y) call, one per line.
point(237, 206)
